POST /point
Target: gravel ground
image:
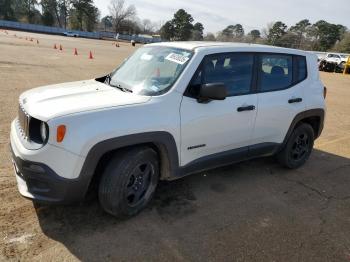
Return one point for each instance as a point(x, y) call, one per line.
point(253, 211)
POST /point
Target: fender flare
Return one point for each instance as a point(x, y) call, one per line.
point(164, 141)
point(318, 112)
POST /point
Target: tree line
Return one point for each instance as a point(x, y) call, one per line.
point(320, 36)
point(77, 15)
point(84, 15)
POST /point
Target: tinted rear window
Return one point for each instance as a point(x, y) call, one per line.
point(302, 68)
point(276, 72)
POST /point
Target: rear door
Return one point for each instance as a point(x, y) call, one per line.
point(219, 126)
point(281, 84)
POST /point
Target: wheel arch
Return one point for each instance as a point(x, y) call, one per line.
point(162, 142)
point(313, 117)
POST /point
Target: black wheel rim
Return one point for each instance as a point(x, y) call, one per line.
point(300, 147)
point(139, 183)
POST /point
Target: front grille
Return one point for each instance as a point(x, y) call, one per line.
point(23, 121)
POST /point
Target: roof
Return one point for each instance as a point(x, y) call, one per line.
point(197, 45)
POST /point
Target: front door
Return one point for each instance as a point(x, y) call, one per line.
point(219, 126)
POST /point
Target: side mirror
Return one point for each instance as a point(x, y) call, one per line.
point(212, 91)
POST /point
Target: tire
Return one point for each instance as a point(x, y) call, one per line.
point(342, 66)
point(129, 181)
point(298, 147)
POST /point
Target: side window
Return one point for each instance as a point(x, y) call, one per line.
point(234, 70)
point(302, 68)
point(275, 72)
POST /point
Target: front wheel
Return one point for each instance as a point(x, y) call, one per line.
point(298, 147)
point(129, 181)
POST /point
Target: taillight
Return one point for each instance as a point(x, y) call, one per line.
point(324, 92)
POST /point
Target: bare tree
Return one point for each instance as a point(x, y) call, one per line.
point(120, 12)
point(147, 26)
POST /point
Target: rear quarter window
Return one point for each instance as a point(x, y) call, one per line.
point(301, 68)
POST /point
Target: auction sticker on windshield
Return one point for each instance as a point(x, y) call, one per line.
point(146, 57)
point(177, 58)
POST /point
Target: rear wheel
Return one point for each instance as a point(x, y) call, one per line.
point(298, 147)
point(129, 181)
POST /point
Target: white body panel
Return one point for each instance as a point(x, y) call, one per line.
point(158, 114)
point(275, 114)
point(66, 164)
point(217, 125)
point(313, 92)
point(53, 101)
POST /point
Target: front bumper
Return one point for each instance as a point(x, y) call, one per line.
point(40, 183)
point(49, 174)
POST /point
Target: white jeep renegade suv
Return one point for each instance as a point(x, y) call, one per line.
point(169, 110)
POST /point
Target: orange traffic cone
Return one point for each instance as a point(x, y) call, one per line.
point(75, 51)
point(55, 46)
point(90, 55)
point(61, 48)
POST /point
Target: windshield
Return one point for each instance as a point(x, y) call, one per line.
point(151, 70)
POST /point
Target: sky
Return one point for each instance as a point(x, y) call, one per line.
point(215, 15)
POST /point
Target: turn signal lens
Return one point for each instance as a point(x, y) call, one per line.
point(61, 132)
point(324, 92)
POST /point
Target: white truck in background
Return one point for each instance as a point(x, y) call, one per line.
point(333, 62)
point(336, 58)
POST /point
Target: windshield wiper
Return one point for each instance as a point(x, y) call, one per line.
point(124, 89)
point(119, 86)
point(108, 79)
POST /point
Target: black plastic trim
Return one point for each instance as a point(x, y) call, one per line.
point(318, 112)
point(229, 157)
point(45, 185)
point(164, 142)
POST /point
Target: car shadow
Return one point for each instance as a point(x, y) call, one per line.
point(189, 217)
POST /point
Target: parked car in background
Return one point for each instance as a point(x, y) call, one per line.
point(171, 109)
point(336, 58)
point(333, 62)
point(71, 34)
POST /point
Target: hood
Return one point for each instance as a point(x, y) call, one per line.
point(52, 101)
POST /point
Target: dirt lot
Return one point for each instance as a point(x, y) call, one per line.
point(253, 211)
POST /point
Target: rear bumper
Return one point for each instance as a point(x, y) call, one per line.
point(40, 183)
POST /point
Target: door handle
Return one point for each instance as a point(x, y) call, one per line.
point(245, 108)
point(295, 100)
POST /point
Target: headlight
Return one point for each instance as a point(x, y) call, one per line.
point(44, 132)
